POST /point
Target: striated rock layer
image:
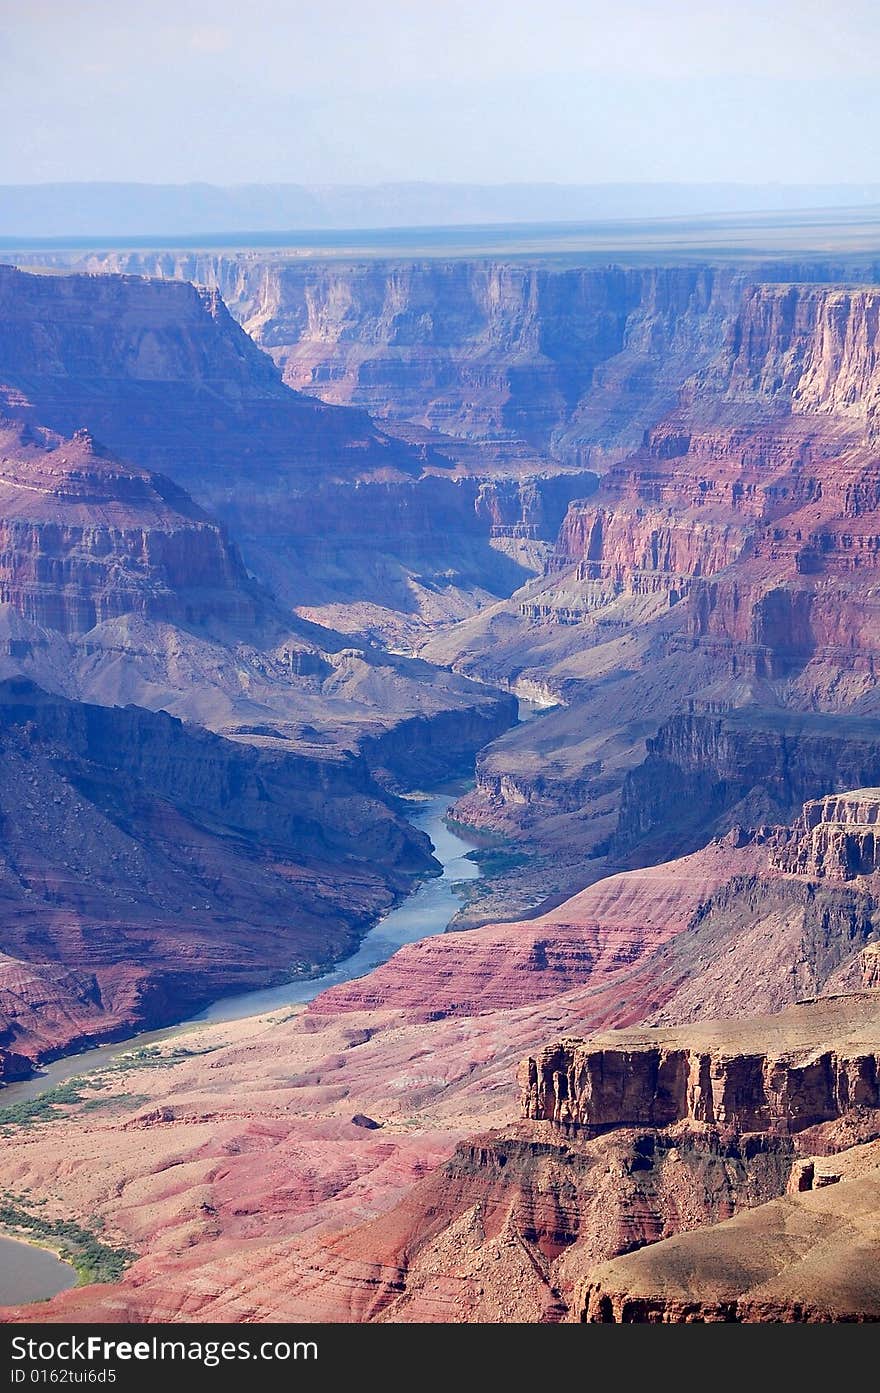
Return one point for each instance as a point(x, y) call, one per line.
point(708, 772)
point(806, 1258)
point(721, 1075)
point(85, 538)
point(327, 507)
point(246, 1181)
point(148, 866)
point(725, 571)
point(578, 361)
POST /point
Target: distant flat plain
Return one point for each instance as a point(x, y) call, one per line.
point(720, 238)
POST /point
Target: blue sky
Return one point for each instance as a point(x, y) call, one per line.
point(331, 91)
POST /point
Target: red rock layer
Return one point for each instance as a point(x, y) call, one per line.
point(606, 928)
point(731, 561)
point(84, 539)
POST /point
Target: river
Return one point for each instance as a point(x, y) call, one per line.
point(428, 910)
point(29, 1273)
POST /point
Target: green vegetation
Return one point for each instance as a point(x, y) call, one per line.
point(93, 1260)
point(496, 860)
point(122, 1102)
point(151, 1057)
point(46, 1106)
point(466, 830)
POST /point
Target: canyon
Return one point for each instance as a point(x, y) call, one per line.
point(281, 547)
point(364, 1160)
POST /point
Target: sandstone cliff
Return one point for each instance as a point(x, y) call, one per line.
point(836, 838)
point(85, 538)
point(577, 361)
point(707, 772)
point(729, 562)
point(356, 528)
point(764, 1074)
point(809, 1257)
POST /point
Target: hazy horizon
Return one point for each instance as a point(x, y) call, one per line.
point(100, 211)
point(576, 92)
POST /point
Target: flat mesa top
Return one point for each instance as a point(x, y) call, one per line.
point(849, 1024)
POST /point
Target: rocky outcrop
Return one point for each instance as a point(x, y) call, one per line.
point(576, 361)
point(585, 1085)
point(706, 772)
point(734, 549)
point(84, 538)
point(359, 530)
point(870, 964)
point(837, 838)
point(806, 1258)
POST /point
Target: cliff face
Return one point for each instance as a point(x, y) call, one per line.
point(84, 538)
point(148, 865)
point(811, 349)
point(706, 772)
point(510, 348)
point(342, 520)
point(576, 362)
point(584, 1085)
point(729, 562)
point(837, 837)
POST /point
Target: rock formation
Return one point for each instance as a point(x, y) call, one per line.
point(578, 361)
point(148, 866)
point(85, 538)
point(707, 772)
point(837, 837)
point(724, 1076)
point(727, 564)
point(340, 518)
point(803, 1258)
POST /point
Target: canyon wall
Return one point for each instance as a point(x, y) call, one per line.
point(575, 361)
point(728, 565)
point(356, 1178)
point(148, 866)
point(85, 538)
point(585, 1085)
point(705, 773)
point(357, 528)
